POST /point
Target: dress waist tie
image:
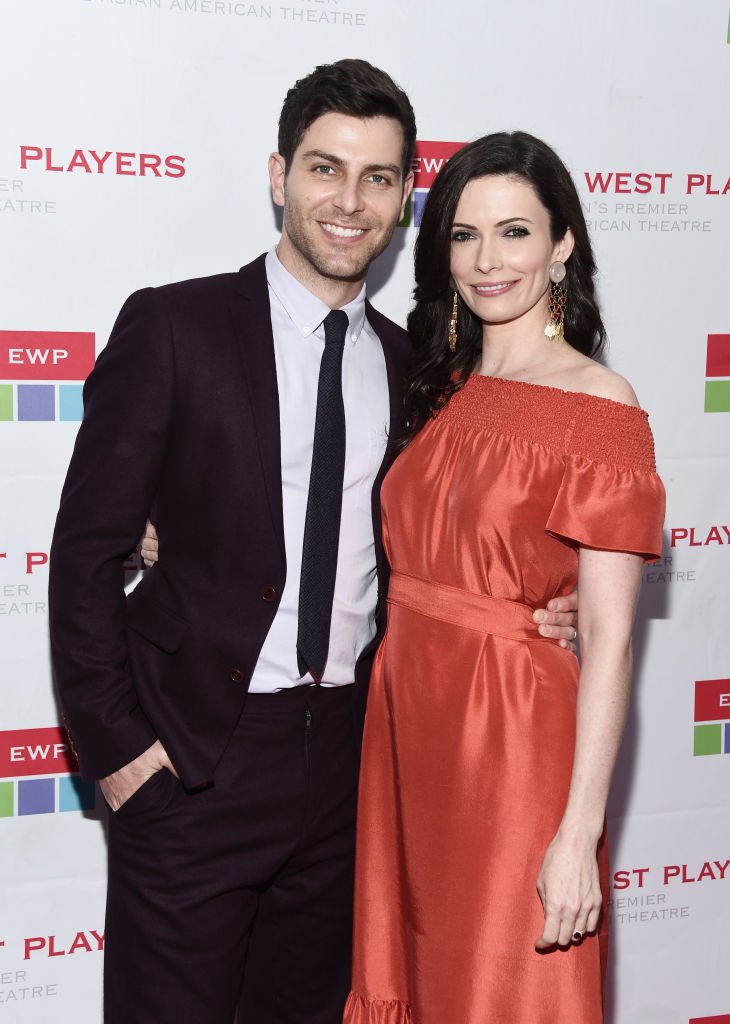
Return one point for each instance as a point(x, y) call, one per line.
point(511, 620)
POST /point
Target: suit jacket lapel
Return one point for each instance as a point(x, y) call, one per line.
point(251, 321)
point(251, 315)
point(396, 368)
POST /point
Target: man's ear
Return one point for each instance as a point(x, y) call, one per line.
point(277, 176)
point(407, 189)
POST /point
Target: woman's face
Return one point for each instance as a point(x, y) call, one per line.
point(501, 249)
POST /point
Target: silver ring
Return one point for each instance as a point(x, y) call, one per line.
point(577, 936)
point(575, 637)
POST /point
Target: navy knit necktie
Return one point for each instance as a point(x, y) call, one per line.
point(324, 505)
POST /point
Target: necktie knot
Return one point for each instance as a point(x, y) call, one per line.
point(335, 327)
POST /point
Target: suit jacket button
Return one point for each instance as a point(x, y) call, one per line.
point(268, 594)
point(236, 675)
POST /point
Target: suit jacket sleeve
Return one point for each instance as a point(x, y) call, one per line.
point(110, 486)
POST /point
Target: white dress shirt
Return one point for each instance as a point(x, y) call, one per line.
point(297, 321)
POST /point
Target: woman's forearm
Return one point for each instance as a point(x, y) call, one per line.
point(603, 697)
point(609, 585)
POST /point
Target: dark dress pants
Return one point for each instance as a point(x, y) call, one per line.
point(240, 894)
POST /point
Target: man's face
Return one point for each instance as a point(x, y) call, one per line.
point(343, 195)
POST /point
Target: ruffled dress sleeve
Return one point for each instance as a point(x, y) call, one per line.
point(610, 497)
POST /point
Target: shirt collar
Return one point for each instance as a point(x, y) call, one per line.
point(305, 310)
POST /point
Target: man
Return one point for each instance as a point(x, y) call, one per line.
point(220, 705)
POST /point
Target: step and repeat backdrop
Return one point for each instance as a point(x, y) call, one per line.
point(133, 146)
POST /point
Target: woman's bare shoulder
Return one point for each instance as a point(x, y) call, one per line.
point(583, 374)
point(605, 383)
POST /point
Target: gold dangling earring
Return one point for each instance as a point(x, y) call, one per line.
point(555, 327)
point(453, 337)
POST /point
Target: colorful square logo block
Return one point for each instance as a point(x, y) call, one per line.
point(7, 799)
point(712, 717)
point(71, 402)
point(708, 740)
point(36, 796)
point(419, 204)
point(712, 700)
point(36, 402)
point(717, 391)
point(718, 355)
point(75, 794)
point(6, 402)
point(717, 396)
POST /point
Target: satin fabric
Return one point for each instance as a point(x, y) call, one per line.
point(470, 728)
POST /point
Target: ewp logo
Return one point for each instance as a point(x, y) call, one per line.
point(712, 720)
point(30, 356)
point(429, 159)
point(26, 754)
point(717, 392)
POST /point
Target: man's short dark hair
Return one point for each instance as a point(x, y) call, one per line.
point(352, 87)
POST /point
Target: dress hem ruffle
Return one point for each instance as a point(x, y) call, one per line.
point(361, 1010)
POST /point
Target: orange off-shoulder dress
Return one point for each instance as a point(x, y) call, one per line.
point(471, 719)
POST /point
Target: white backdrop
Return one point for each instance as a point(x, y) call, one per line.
point(635, 98)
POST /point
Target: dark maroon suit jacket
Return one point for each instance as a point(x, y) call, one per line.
point(181, 425)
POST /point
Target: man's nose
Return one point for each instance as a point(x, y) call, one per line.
point(349, 197)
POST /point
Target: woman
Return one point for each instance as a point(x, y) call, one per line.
point(481, 862)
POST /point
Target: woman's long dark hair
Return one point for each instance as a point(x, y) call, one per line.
point(437, 372)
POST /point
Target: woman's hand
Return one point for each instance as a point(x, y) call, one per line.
point(570, 891)
point(568, 881)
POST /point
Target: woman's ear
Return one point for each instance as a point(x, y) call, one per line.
point(564, 247)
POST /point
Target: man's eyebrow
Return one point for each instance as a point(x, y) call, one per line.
point(319, 154)
point(330, 158)
point(393, 168)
